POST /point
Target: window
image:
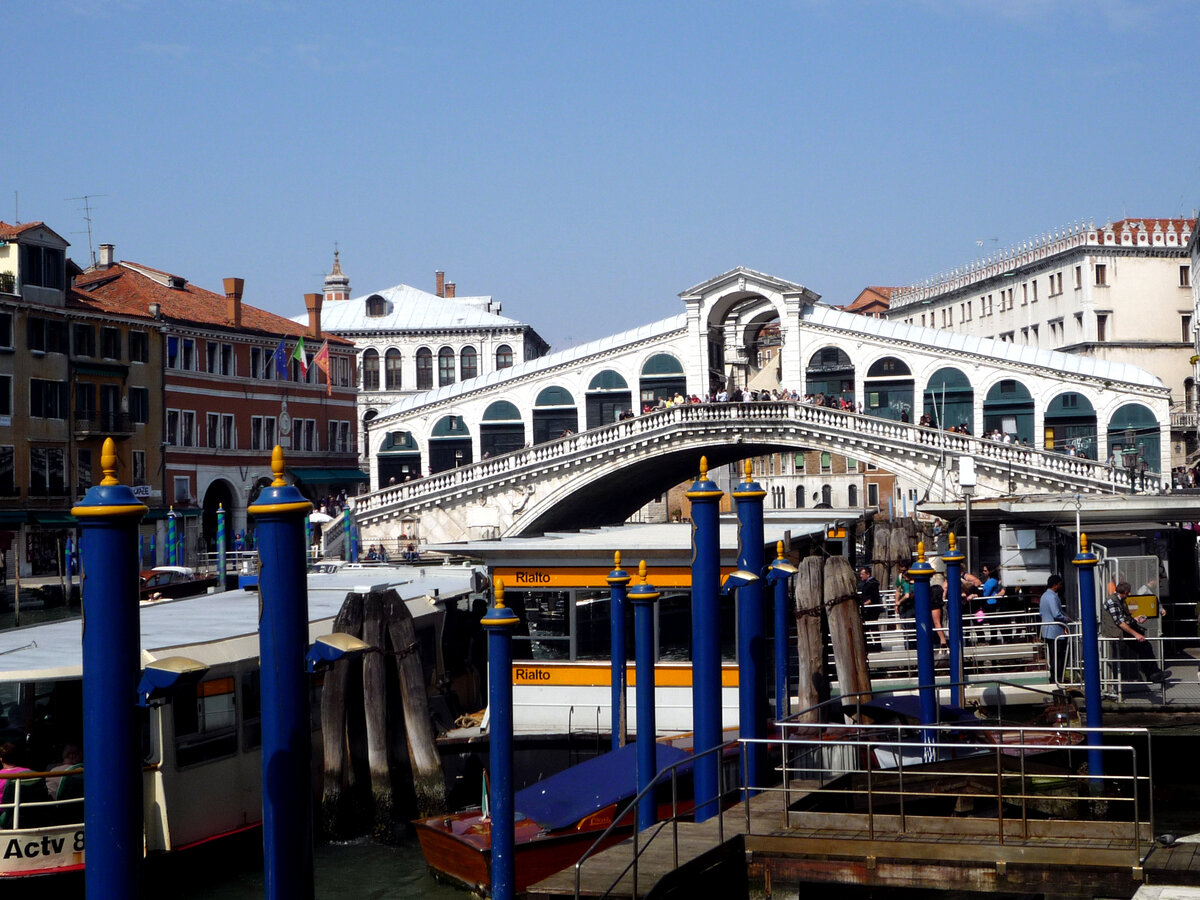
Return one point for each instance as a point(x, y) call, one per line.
point(85, 399)
point(48, 399)
point(827, 494)
point(310, 434)
point(851, 465)
point(424, 369)
point(210, 357)
point(6, 330)
point(1185, 323)
point(504, 356)
point(370, 369)
point(172, 427)
point(110, 342)
point(139, 466)
point(852, 495)
point(376, 306)
point(6, 382)
point(227, 359)
point(46, 470)
point(83, 471)
point(269, 436)
point(182, 492)
point(181, 353)
point(468, 363)
point(212, 430)
point(1079, 326)
point(826, 463)
point(799, 463)
point(139, 347)
point(392, 369)
point(227, 433)
point(251, 709)
point(8, 485)
point(256, 363)
point(46, 335)
point(262, 432)
point(205, 722)
point(872, 494)
point(345, 438)
point(1078, 277)
point(189, 355)
point(84, 338)
point(1101, 327)
point(1056, 284)
point(342, 370)
point(139, 405)
point(1185, 276)
point(1033, 297)
point(445, 367)
point(1025, 294)
point(42, 266)
point(187, 428)
point(1101, 275)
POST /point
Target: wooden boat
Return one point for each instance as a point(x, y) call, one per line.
point(557, 820)
point(202, 760)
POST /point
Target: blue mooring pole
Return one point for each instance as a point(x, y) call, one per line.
point(499, 624)
point(1085, 564)
point(279, 515)
point(618, 581)
point(954, 560)
point(920, 572)
point(222, 565)
point(751, 637)
point(778, 574)
point(706, 640)
point(643, 597)
point(112, 820)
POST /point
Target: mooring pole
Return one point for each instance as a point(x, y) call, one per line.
point(1085, 563)
point(222, 566)
point(920, 573)
point(643, 597)
point(751, 638)
point(706, 640)
point(112, 818)
point(499, 624)
point(279, 515)
point(618, 580)
point(954, 560)
point(778, 574)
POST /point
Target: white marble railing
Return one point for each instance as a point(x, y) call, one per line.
point(1023, 462)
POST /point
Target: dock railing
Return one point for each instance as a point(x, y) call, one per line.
point(29, 805)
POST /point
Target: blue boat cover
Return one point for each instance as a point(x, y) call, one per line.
point(571, 795)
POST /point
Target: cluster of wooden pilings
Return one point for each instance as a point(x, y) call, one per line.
point(381, 763)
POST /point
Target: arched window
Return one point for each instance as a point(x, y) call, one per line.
point(852, 495)
point(504, 357)
point(424, 369)
point(391, 368)
point(468, 363)
point(827, 494)
point(370, 369)
point(799, 496)
point(445, 367)
point(376, 306)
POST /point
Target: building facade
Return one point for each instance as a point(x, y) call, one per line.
point(1121, 293)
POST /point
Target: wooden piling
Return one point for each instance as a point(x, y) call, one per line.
point(845, 627)
point(807, 595)
point(375, 697)
point(428, 780)
point(338, 774)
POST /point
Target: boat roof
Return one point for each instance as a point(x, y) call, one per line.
point(564, 799)
point(223, 627)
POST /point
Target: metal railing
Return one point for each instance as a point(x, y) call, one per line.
point(38, 805)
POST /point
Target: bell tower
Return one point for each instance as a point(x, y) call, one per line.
point(337, 284)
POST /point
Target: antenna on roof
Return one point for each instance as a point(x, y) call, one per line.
point(87, 217)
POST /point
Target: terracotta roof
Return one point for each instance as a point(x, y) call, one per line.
point(871, 298)
point(8, 232)
point(125, 289)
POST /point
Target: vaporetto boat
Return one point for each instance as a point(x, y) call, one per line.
point(201, 752)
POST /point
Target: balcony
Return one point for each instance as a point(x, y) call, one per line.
point(89, 423)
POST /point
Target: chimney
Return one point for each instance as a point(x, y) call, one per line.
point(233, 301)
point(312, 303)
point(449, 289)
point(106, 256)
point(439, 283)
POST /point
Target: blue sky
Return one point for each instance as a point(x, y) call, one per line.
point(584, 163)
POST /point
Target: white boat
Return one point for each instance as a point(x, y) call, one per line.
point(202, 753)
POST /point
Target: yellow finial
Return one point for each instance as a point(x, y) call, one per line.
point(953, 542)
point(1083, 543)
point(749, 468)
point(920, 551)
point(498, 589)
point(703, 469)
point(779, 549)
point(220, 506)
point(108, 461)
point(277, 467)
point(642, 571)
point(617, 560)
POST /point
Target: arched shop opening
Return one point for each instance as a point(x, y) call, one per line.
point(888, 390)
point(662, 377)
point(949, 400)
point(501, 430)
point(1071, 425)
point(218, 494)
point(449, 444)
point(1134, 439)
point(1009, 409)
point(830, 374)
point(554, 414)
point(608, 396)
point(399, 458)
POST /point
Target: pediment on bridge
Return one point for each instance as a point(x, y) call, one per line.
point(742, 280)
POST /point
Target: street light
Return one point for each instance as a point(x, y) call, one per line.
point(967, 482)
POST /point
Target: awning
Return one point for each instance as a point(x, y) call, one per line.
point(13, 517)
point(55, 518)
point(114, 369)
point(315, 475)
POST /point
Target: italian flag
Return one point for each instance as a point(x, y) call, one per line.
point(300, 357)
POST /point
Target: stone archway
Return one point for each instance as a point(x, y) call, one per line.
point(219, 493)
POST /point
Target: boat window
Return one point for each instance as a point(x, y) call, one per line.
point(251, 710)
point(205, 722)
point(592, 622)
point(545, 629)
point(675, 628)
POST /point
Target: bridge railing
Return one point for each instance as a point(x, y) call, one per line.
point(1020, 459)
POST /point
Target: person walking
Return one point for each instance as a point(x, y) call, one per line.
point(1133, 645)
point(1054, 626)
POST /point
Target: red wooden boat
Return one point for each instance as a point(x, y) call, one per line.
point(558, 819)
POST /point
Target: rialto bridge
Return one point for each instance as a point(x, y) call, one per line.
point(543, 445)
